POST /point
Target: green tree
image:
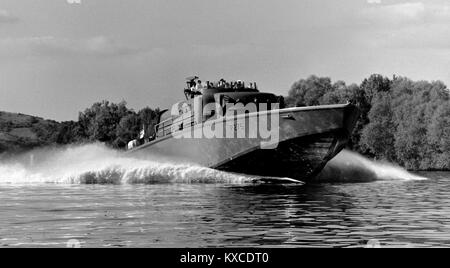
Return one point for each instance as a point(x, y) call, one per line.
point(69, 132)
point(101, 120)
point(374, 84)
point(127, 130)
point(378, 136)
point(439, 136)
point(340, 93)
point(115, 124)
point(307, 92)
point(148, 119)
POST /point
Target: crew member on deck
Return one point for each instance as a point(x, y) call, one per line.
point(222, 82)
point(199, 88)
point(192, 85)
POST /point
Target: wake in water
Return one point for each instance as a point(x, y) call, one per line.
point(97, 164)
point(349, 166)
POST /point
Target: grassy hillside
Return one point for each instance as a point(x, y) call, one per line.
point(19, 132)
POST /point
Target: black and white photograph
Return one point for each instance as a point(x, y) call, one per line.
point(246, 125)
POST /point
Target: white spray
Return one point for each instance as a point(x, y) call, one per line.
point(95, 163)
point(349, 166)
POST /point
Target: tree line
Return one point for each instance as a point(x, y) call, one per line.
point(402, 121)
point(111, 123)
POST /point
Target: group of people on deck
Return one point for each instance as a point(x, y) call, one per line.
point(197, 86)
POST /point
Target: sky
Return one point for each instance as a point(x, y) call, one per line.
point(58, 57)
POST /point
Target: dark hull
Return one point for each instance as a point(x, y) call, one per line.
point(299, 158)
point(308, 138)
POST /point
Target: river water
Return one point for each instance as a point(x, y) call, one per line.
point(183, 206)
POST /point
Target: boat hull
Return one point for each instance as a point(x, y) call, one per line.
point(308, 137)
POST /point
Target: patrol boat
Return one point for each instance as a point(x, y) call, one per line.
point(215, 127)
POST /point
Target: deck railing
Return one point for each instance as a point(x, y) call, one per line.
point(164, 128)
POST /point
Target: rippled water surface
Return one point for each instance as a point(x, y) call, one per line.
point(395, 213)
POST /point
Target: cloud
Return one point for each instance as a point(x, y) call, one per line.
point(374, 1)
point(396, 13)
point(407, 13)
point(435, 37)
point(53, 46)
point(408, 25)
point(6, 17)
